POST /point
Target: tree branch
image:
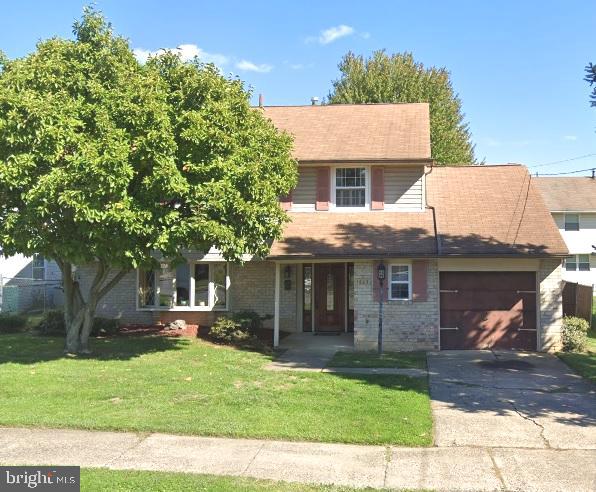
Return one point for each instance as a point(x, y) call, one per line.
point(106, 288)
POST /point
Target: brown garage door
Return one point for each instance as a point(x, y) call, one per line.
point(482, 310)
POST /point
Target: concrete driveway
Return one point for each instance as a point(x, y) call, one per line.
point(508, 399)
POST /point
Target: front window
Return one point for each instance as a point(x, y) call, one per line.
point(350, 187)
point(38, 269)
point(202, 286)
point(579, 263)
point(399, 282)
point(572, 222)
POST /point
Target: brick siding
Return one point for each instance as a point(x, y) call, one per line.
point(407, 325)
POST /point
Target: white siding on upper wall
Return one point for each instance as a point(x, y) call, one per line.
point(305, 194)
point(404, 188)
point(580, 242)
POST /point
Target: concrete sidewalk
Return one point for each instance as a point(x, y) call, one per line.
point(447, 468)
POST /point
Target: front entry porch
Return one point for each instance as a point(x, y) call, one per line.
point(324, 298)
point(309, 351)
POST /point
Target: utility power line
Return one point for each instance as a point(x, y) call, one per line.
point(593, 169)
point(564, 160)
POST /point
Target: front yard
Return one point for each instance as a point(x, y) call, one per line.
point(103, 480)
point(584, 363)
point(189, 386)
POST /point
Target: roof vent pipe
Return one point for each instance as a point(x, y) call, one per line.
point(314, 100)
point(260, 100)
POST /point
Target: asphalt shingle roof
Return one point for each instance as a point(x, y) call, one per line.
point(568, 194)
point(348, 132)
point(478, 211)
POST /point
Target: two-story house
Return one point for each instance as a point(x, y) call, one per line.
point(470, 255)
point(572, 202)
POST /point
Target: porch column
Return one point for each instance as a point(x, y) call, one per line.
point(276, 309)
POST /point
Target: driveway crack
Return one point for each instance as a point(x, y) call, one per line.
point(387, 461)
point(253, 458)
point(142, 438)
point(496, 469)
point(525, 417)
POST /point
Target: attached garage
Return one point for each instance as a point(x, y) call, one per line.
point(482, 310)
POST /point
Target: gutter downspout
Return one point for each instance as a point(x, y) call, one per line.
point(435, 225)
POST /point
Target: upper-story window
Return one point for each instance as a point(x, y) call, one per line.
point(579, 263)
point(572, 222)
point(350, 187)
point(38, 267)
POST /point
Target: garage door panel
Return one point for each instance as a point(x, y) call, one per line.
point(487, 300)
point(488, 309)
point(488, 280)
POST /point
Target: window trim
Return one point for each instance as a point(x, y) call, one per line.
point(391, 282)
point(569, 229)
point(333, 198)
point(191, 307)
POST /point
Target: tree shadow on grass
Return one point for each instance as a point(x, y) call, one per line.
point(29, 348)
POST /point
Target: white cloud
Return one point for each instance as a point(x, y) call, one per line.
point(332, 34)
point(570, 138)
point(365, 35)
point(186, 52)
point(253, 67)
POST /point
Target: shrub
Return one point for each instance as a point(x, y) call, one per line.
point(105, 327)
point(249, 321)
point(12, 323)
point(575, 334)
point(52, 324)
point(228, 330)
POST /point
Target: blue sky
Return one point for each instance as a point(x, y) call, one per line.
point(517, 66)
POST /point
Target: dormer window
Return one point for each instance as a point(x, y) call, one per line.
point(350, 187)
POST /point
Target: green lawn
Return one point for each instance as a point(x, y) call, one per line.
point(585, 364)
point(415, 360)
point(192, 387)
point(102, 480)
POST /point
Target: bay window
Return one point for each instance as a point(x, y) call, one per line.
point(197, 286)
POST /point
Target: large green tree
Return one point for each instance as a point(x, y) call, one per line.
point(106, 162)
point(591, 79)
point(398, 78)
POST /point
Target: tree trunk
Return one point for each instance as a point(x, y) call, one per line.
point(87, 326)
point(78, 313)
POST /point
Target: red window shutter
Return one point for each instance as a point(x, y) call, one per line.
point(323, 185)
point(419, 280)
point(376, 287)
point(286, 201)
point(377, 188)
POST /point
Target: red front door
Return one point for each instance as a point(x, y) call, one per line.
point(330, 298)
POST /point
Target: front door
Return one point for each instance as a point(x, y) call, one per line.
point(330, 290)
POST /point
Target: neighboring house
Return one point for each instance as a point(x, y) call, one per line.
point(29, 284)
point(572, 202)
point(472, 256)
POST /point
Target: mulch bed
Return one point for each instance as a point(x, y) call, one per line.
point(159, 330)
point(191, 331)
